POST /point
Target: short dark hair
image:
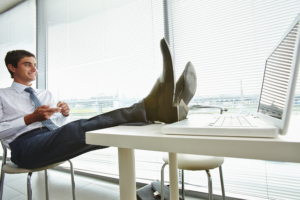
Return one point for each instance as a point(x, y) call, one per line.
point(13, 57)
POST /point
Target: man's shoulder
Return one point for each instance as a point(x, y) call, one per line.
point(5, 92)
point(2, 90)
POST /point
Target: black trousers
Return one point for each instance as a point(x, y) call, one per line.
point(43, 147)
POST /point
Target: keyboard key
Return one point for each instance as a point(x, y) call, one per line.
point(244, 122)
point(234, 121)
point(219, 122)
point(213, 120)
point(226, 122)
point(231, 122)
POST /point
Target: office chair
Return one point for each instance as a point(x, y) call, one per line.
point(11, 168)
point(197, 162)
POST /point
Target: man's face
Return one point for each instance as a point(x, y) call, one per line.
point(26, 71)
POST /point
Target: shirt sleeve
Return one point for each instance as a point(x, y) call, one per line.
point(9, 128)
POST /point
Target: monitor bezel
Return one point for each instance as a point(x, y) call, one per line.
point(283, 123)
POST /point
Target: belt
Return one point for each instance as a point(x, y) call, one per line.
point(40, 128)
point(36, 129)
point(33, 130)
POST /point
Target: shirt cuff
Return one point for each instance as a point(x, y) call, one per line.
point(64, 119)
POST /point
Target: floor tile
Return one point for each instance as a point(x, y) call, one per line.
point(87, 188)
point(94, 192)
point(37, 181)
point(108, 185)
point(21, 197)
point(9, 193)
point(12, 177)
point(86, 178)
point(58, 189)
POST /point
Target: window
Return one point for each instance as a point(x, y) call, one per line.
point(100, 58)
point(105, 54)
point(227, 42)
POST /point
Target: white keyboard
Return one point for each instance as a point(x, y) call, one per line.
point(222, 125)
point(231, 121)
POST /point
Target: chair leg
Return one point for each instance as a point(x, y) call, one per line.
point(162, 180)
point(210, 192)
point(29, 191)
point(2, 183)
point(222, 183)
point(46, 184)
point(182, 179)
point(72, 179)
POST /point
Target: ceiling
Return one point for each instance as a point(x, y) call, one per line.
point(7, 4)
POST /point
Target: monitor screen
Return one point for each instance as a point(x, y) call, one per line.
point(276, 77)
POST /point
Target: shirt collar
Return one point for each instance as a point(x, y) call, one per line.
point(20, 87)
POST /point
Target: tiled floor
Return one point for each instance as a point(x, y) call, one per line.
point(60, 187)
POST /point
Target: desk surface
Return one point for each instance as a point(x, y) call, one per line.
point(283, 148)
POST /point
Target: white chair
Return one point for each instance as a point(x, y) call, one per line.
point(11, 168)
point(197, 162)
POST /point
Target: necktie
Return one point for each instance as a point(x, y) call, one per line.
point(48, 123)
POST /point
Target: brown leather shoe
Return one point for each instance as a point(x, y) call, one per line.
point(185, 89)
point(160, 102)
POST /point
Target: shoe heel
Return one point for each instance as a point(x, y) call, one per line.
point(179, 112)
point(183, 110)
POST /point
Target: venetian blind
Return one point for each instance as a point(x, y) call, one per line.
point(17, 32)
point(227, 42)
point(101, 55)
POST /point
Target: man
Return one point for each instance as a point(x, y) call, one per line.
point(35, 132)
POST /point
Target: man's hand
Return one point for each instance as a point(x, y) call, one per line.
point(65, 110)
point(42, 113)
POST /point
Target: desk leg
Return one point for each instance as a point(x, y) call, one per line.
point(127, 174)
point(173, 169)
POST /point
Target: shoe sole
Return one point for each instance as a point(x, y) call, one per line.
point(170, 111)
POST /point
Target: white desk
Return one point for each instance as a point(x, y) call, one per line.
point(127, 138)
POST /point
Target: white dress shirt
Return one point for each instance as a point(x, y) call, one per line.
point(15, 104)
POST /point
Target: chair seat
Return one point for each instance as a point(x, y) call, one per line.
point(11, 168)
point(196, 162)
